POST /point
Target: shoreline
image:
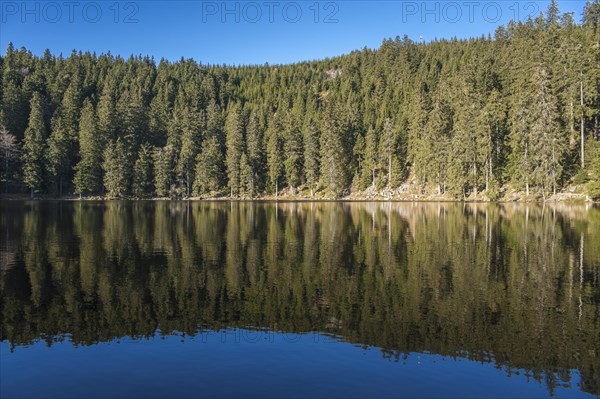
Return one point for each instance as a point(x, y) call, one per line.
point(567, 198)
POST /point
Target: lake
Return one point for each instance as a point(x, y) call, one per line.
point(313, 299)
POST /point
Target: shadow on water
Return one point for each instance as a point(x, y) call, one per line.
point(513, 285)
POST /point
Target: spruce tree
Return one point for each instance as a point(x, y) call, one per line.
point(255, 148)
point(88, 176)
point(335, 149)
point(143, 172)
point(34, 147)
point(114, 166)
point(209, 167)
point(371, 157)
point(234, 129)
point(9, 157)
point(311, 154)
point(246, 178)
point(190, 146)
point(274, 158)
point(163, 167)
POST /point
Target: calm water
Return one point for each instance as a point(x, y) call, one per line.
point(218, 299)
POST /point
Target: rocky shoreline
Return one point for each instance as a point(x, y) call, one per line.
point(401, 194)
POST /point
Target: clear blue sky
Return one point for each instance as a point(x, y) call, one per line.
point(248, 32)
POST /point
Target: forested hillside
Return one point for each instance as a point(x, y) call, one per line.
point(462, 118)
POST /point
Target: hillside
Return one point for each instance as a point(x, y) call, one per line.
point(480, 118)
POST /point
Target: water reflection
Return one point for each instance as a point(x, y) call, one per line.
point(513, 285)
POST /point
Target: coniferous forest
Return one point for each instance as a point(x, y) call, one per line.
point(518, 110)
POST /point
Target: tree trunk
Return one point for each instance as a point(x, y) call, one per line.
point(373, 180)
point(527, 171)
point(474, 178)
point(582, 124)
point(390, 170)
point(486, 177)
point(187, 183)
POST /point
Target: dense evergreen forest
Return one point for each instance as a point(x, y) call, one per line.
point(461, 118)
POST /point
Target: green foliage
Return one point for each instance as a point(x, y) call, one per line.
point(594, 190)
point(114, 166)
point(143, 172)
point(34, 147)
point(9, 157)
point(274, 158)
point(409, 278)
point(209, 167)
point(88, 170)
point(234, 132)
point(163, 167)
point(455, 117)
point(335, 149)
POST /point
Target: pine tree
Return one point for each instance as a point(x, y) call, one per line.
point(114, 166)
point(64, 138)
point(14, 107)
point(436, 141)
point(387, 145)
point(255, 149)
point(234, 129)
point(190, 146)
point(246, 178)
point(209, 167)
point(460, 115)
point(335, 149)
point(163, 167)
point(292, 146)
point(372, 164)
point(88, 171)
point(274, 158)
point(311, 154)
point(108, 120)
point(492, 121)
point(9, 156)
point(143, 172)
point(34, 146)
point(547, 144)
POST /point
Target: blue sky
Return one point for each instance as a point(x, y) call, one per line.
point(248, 32)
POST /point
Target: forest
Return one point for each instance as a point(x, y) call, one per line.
point(460, 118)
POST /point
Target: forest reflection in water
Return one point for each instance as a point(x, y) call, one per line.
point(511, 284)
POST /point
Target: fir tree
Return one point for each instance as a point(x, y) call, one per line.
point(114, 166)
point(246, 178)
point(335, 149)
point(234, 129)
point(209, 167)
point(274, 159)
point(163, 167)
point(311, 155)
point(34, 146)
point(143, 172)
point(88, 171)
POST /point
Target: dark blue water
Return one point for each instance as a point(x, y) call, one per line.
point(181, 300)
point(238, 363)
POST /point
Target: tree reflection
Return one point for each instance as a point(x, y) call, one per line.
point(516, 285)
